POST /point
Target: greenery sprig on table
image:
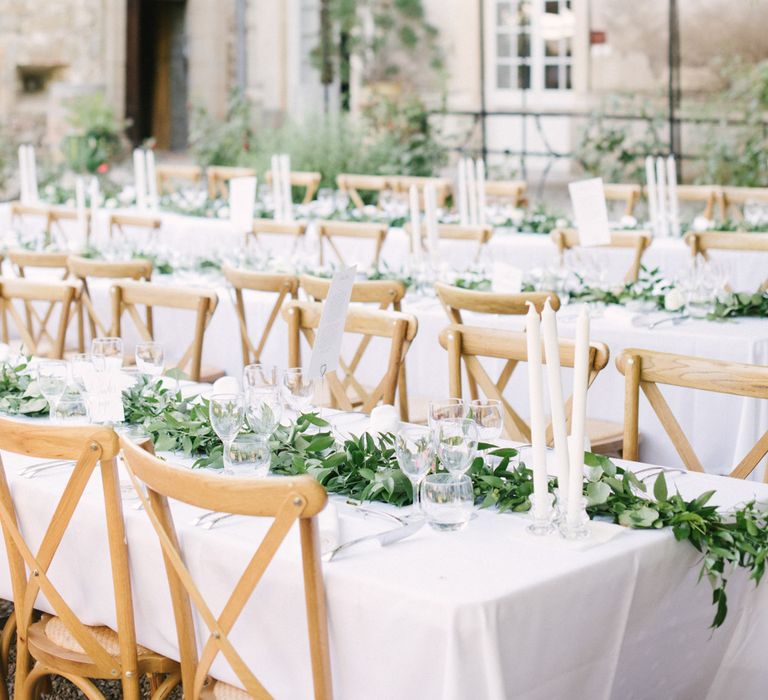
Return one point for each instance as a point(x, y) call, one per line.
point(650, 287)
point(739, 304)
point(19, 394)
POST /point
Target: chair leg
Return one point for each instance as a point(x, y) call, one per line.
point(402, 391)
point(166, 687)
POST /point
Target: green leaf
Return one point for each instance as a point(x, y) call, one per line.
point(660, 487)
point(597, 493)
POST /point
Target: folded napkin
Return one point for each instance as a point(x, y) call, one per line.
point(328, 526)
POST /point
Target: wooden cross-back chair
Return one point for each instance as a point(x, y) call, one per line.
point(33, 327)
point(403, 183)
point(701, 242)
point(638, 241)
point(646, 369)
point(623, 192)
point(384, 293)
point(287, 500)
point(21, 213)
point(60, 643)
point(127, 295)
point(347, 392)
point(709, 195)
point(330, 231)
point(455, 300)
point(352, 184)
point(83, 269)
point(733, 200)
point(513, 191)
point(150, 223)
point(468, 344)
point(457, 232)
point(307, 179)
point(270, 227)
point(282, 285)
point(169, 174)
point(219, 175)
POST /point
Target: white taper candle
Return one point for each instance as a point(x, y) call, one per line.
point(140, 177)
point(661, 188)
point(462, 197)
point(413, 199)
point(480, 167)
point(674, 210)
point(536, 400)
point(472, 192)
point(277, 188)
point(285, 164)
point(650, 194)
point(578, 416)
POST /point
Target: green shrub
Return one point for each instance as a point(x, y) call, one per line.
point(222, 142)
point(95, 136)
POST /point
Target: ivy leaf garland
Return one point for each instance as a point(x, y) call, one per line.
point(19, 394)
point(740, 304)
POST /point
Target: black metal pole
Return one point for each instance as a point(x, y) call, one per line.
point(673, 87)
point(483, 133)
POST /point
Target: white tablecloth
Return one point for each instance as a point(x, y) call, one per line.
point(489, 612)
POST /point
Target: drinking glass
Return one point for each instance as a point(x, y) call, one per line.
point(456, 443)
point(248, 455)
point(107, 353)
point(446, 408)
point(448, 502)
point(150, 358)
point(52, 382)
point(299, 389)
point(415, 454)
point(258, 375)
point(263, 408)
point(71, 408)
point(487, 413)
point(226, 412)
point(80, 365)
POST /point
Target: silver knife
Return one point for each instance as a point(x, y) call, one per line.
point(383, 538)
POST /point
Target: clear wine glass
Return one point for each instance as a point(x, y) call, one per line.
point(263, 408)
point(52, 382)
point(257, 376)
point(415, 454)
point(299, 389)
point(226, 412)
point(107, 354)
point(448, 501)
point(456, 444)
point(80, 365)
point(488, 414)
point(150, 358)
point(249, 455)
point(446, 408)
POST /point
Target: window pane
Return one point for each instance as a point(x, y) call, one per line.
point(524, 13)
point(567, 43)
point(503, 46)
point(552, 6)
point(524, 77)
point(524, 45)
point(551, 47)
point(504, 16)
point(551, 80)
point(568, 78)
point(504, 77)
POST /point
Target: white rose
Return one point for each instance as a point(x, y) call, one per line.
point(111, 203)
point(561, 223)
point(702, 223)
point(674, 301)
point(628, 222)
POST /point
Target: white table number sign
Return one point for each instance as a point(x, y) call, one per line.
point(242, 195)
point(590, 211)
point(330, 331)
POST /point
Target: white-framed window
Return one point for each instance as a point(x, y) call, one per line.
point(533, 45)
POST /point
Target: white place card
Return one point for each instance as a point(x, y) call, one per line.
point(330, 331)
point(590, 211)
point(242, 195)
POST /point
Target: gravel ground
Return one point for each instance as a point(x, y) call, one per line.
point(62, 689)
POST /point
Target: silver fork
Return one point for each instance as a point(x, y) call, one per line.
point(674, 320)
point(200, 518)
point(208, 524)
point(32, 473)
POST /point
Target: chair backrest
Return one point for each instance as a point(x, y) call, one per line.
point(23, 259)
point(455, 300)
point(22, 212)
point(219, 174)
point(307, 179)
point(286, 500)
point(385, 293)
point(403, 183)
point(126, 296)
point(352, 184)
point(638, 241)
point(734, 198)
point(33, 327)
point(93, 448)
point(283, 285)
point(297, 229)
point(513, 190)
point(347, 391)
point(84, 268)
point(169, 174)
point(709, 195)
point(623, 192)
point(701, 242)
point(646, 369)
point(458, 232)
point(470, 343)
point(330, 230)
point(149, 222)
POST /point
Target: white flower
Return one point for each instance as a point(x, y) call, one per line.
point(111, 203)
point(675, 300)
point(223, 213)
point(561, 223)
point(617, 289)
point(628, 221)
point(702, 223)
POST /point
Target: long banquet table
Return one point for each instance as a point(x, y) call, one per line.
point(489, 612)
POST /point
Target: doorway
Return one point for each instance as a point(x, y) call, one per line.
point(156, 73)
